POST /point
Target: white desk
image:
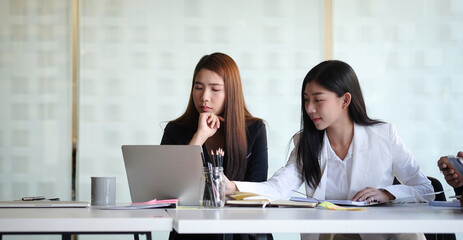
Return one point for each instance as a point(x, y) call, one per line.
point(378, 219)
point(82, 220)
point(407, 218)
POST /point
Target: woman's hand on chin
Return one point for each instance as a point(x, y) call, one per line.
point(208, 124)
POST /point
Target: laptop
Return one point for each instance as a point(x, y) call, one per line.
point(163, 172)
point(43, 204)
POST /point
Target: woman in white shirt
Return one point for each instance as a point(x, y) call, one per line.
point(341, 153)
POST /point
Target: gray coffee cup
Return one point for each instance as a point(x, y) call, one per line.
point(103, 191)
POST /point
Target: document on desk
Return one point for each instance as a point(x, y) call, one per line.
point(138, 206)
point(454, 203)
point(43, 204)
point(166, 203)
point(337, 202)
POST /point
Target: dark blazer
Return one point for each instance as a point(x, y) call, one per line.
point(257, 155)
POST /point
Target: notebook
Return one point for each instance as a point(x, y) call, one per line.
point(43, 204)
point(253, 199)
point(163, 172)
point(338, 202)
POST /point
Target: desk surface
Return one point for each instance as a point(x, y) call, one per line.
point(406, 218)
point(379, 219)
point(83, 220)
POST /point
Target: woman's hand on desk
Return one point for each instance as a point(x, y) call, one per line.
point(230, 187)
point(370, 194)
point(208, 124)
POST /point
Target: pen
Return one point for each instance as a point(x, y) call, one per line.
point(301, 193)
point(307, 196)
point(34, 198)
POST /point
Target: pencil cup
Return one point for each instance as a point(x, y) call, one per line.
point(212, 189)
point(103, 191)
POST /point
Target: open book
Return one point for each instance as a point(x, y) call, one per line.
point(252, 199)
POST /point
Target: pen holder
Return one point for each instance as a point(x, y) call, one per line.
point(212, 191)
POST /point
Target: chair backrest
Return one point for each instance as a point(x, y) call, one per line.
point(437, 188)
point(435, 184)
point(439, 197)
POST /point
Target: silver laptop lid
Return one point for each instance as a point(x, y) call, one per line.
point(163, 172)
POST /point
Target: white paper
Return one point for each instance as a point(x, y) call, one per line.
point(136, 206)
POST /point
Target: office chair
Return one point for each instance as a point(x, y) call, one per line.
point(437, 188)
point(439, 197)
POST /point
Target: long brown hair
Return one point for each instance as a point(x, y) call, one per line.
point(235, 112)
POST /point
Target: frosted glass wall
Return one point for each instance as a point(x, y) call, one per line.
point(138, 57)
point(35, 99)
point(409, 58)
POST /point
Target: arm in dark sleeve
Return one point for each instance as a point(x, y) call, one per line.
point(170, 136)
point(166, 138)
point(175, 134)
point(257, 160)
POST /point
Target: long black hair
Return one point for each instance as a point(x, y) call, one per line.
point(340, 78)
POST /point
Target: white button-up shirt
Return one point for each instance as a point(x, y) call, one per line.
point(339, 173)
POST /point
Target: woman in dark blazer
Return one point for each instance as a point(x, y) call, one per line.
point(217, 117)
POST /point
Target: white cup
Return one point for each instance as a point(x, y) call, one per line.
point(103, 191)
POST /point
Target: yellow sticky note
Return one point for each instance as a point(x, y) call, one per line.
point(186, 207)
point(332, 206)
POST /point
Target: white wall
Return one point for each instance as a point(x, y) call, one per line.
point(137, 64)
point(35, 99)
point(408, 56)
point(137, 59)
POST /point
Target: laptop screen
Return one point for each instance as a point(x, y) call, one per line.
point(163, 172)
